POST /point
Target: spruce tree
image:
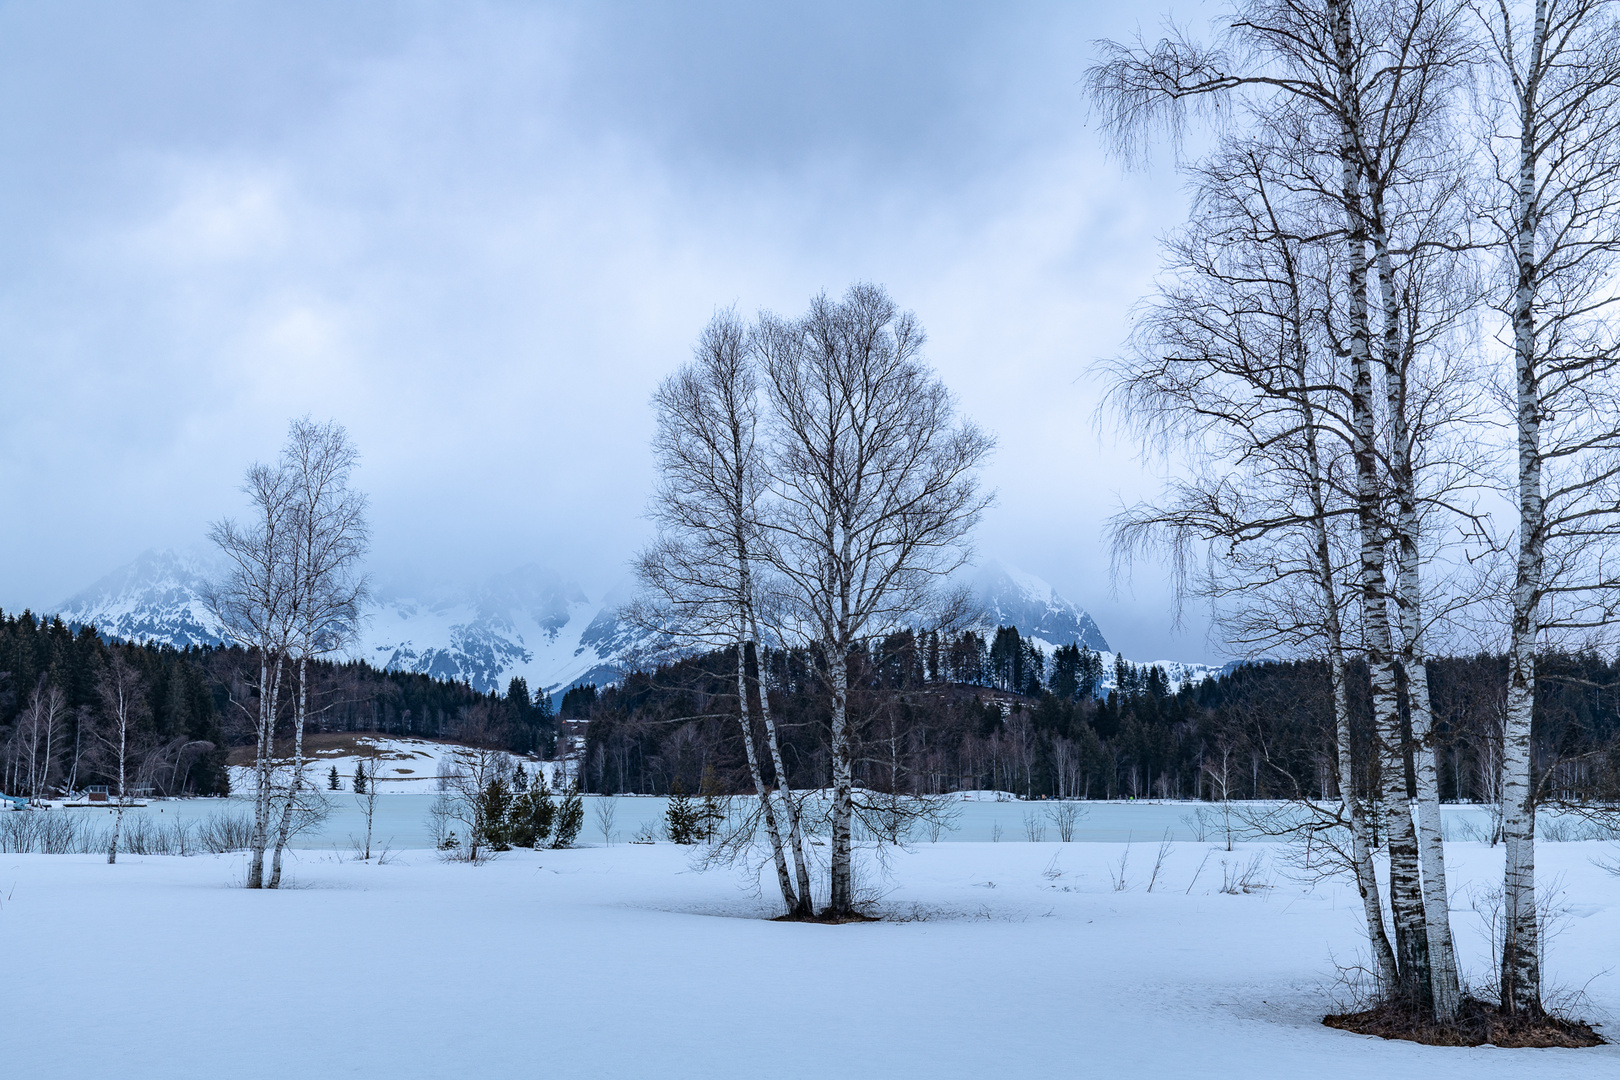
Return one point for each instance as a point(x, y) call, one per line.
point(544, 718)
point(570, 818)
point(710, 814)
point(1066, 674)
point(334, 782)
point(533, 815)
point(680, 817)
point(494, 805)
point(545, 813)
point(359, 778)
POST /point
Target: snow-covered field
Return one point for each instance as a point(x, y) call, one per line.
point(404, 766)
point(999, 960)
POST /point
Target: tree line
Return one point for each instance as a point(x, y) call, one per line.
point(188, 707)
point(1259, 731)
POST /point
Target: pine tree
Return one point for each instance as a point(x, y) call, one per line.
point(544, 718)
point(680, 817)
point(570, 818)
point(710, 814)
point(532, 815)
point(494, 807)
point(334, 782)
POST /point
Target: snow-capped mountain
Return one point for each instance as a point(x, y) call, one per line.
point(530, 621)
point(1010, 597)
point(156, 597)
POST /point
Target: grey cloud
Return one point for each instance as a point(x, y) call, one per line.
point(479, 234)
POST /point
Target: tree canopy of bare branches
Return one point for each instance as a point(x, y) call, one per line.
point(292, 591)
point(816, 478)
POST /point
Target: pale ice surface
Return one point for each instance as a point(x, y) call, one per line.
point(401, 818)
point(1000, 960)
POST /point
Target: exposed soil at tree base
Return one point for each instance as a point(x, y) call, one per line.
point(1478, 1023)
point(827, 918)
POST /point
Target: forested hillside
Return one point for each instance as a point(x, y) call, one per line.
point(932, 714)
point(936, 716)
point(198, 701)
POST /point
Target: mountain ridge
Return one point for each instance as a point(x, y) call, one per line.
point(529, 621)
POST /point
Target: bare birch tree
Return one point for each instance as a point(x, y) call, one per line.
point(254, 603)
point(701, 569)
point(874, 494)
point(367, 799)
point(1235, 366)
point(328, 537)
point(38, 728)
point(1556, 143)
point(1371, 83)
point(123, 706)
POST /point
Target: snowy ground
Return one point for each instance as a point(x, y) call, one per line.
point(1002, 960)
point(404, 766)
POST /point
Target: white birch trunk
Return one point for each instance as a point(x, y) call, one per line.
point(1521, 960)
point(783, 878)
point(123, 748)
point(1406, 901)
point(1350, 806)
point(1349, 801)
point(1446, 986)
point(269, 688)
point(296, 784)
point(801, 865)
point(841, 901)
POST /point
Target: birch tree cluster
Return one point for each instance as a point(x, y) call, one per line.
point(1382, 355)
point(293, 592)
point(816, 488)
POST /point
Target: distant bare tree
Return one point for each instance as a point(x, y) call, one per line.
point(123, 707)
point(328, 537)
point(604, 809)
point(367, 799)
point(255, 605)
point(39, 727)
point(874, 494)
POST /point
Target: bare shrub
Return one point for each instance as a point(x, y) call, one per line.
point(1244, 876)
point(1066, 815)
point(1165, 847)
point(604, 808)
point(221, 833)
point(1116, 875)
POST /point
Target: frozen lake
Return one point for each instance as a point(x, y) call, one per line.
point(402, 820)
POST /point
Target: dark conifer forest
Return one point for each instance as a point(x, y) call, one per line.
point(934, 714)
point(939, 715)
point(198, 702)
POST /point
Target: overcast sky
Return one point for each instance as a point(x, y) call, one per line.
point(479, 234)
